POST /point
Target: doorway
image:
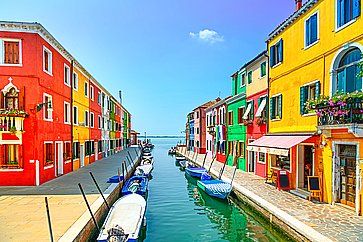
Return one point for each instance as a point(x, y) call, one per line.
point(59, 158)
point(251, 161)
point(305, 165)
point(81, 155)
point(345, 174)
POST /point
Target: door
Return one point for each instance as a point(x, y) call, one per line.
point(59, 158)
point(81, 155)
point(251, 161)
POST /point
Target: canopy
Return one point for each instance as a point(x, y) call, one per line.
point(261, 108)
point(248, 110)
point(276, 144)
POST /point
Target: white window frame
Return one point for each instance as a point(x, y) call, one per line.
point(317, 30)
point(67, 76)
point(91, 119)
point(50, 61)
point(75, 81)
point(2, 52)
point(67, 111)
point(258, 158)
point(77, 116)
point(273, 96)
point(99, 122)
point(99, 99)
point(243, 73)
point(49, 110)
point(337, 29)
point(86, 118)
point(91, 92)
point(86, 89)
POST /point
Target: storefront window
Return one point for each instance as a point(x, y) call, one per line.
point(280, 162)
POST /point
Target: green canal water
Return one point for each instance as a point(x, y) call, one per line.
point(177, 211)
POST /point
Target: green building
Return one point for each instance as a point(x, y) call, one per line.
point(236, 130)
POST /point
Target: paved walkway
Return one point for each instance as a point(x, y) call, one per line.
point(22, 209)
point(336, 223)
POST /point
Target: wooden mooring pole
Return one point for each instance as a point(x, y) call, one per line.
point(49, 221)
point(88, 206)
point(99, 190)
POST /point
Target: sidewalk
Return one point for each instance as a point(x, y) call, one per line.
point(22, 209)
point(316, 222)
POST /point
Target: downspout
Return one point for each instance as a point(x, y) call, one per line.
point(268, 109)
point(71, 113)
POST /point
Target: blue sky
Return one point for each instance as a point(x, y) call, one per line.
point(156, 52)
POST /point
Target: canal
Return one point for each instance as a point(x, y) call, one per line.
point(178, 211)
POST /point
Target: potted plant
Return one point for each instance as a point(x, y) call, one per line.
point(12, 129)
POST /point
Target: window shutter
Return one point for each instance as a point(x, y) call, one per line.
point(307, 32)
point(252, 109)
point(302, 100)
point(280, 106)
point(317, 89)
point(313, 28)
point(271, 108)
point(341, 11)
point(280, 50)
point(272, 56)
point(356, 8)
point(21, 99)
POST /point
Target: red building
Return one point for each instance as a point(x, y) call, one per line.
point(95, 120)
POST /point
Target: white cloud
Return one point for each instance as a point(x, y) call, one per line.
point(207, 35)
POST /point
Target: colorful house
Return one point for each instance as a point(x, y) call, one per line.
point(255, 115)
point(314, 54)
point(48, 105)
point(190, 131)
point(236, 131)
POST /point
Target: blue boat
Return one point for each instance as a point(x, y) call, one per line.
point(195, 171)
point(136, 184)
point(215, 188)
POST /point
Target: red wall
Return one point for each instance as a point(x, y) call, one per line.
point(95, 132)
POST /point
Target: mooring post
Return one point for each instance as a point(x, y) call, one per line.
point(131, 163)
point(211, 164)
point(205, 157)
point(123, 164)
point(222, 170)
point(119, 174)
point(49, 221)
point(88, 206)
point(234, 173)
point(130, 158)
point(99, 189)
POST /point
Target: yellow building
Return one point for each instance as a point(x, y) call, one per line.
point(314, 53)
point(81, 122)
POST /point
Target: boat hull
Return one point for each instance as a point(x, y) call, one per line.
point(129, 186)
point(195, 171)
point(215, 188)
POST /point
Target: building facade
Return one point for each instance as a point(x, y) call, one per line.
point(50, 108)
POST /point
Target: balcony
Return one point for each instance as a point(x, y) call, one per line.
point(11, 126)
point(339, 111)
point(211, 130)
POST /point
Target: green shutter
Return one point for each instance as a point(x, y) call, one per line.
point(302, 99)
point(317, 89)
point(252, 109)
point(272, 116)
point(280, 105)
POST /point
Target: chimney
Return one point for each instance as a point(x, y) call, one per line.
point(298, 4)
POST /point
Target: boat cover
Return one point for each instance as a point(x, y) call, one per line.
point(217, 188)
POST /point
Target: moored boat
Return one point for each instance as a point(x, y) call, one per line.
point(195, 171)
point(136, 184)
point(215, 188)
point(124, 220)
point(144, 170)
point(179, 158)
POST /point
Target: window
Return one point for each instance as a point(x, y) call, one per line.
point(47, 60)
point(10, 157)
point(263, 69)
point(347, 11)
point(276, 53)
point(241, 111)
point(11, 50)
point(67, 113)
point(243, 79)
point(197, 113)
point(49, 154)
point(261, 110)
point(99, 121)
point(261, 157)
point(99, 98)
point(230, 118)
point(311, 30)
point(48, 111)
point(91, 92)
point(308, 92)
point(251, 111)
point(86, 89)
point(89, 149)
point(12, 99)
point(67, 151)
point(92, 120)
point(249, 77)
point(75, 115)
point(241, 149)
point(86, 118)
point(76, 150)
point(103, 100)
point(75, 81)
point(67, 75)
point(347, 79)
point(100, 146)
point(276, 107)
point(103, 122)
point(279, 161)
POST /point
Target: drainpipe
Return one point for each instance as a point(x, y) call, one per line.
point(71, 112)
point(267, 105)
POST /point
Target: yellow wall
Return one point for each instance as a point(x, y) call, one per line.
point(80, 133)
point(258, 83)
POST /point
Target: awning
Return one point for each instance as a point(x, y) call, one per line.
point(261, 108)
point(248, 110)
point(276, 144)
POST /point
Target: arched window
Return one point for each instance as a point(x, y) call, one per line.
point(12, 99)
point(347, 79)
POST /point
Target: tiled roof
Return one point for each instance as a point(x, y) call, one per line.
point(291, 19)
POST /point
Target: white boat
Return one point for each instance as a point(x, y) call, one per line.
point(178, 158)
point(144, 170)
point(147, 161)
point(125, 219)
point(147, 158)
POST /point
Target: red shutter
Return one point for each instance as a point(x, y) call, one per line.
point(21, 99)
point(11, 52)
